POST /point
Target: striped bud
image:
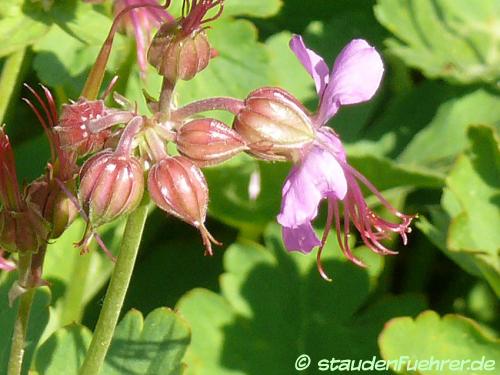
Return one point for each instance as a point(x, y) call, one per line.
point(208, 142)
point(177, 55)
point(274, 124)
point(178, 187)
point(22, 231)
point(111, 185)
point(54, 204)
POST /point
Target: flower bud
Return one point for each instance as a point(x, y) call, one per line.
point(179, 56)
point(54, 204)
point(73, 130)
point(110, 185)
point(274, 124)
point(24, 231)
point(208, 142)
point(178, 187)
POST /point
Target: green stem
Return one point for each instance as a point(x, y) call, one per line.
point(10, 73)
point(22, 318)
point(116, 292)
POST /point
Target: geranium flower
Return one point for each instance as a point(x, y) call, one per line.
point(140, 22)
point(322, 171)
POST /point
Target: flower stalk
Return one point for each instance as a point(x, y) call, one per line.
point(231, 105)
point(22, 317)
point(116, 292)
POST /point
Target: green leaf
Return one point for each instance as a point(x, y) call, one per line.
point(154, 345)
point(230, 200)
point(16, 16)
point(450, 123)
point(436, 229)
point(452, 39)
point(38, 320)
point(386, 174)
point(452, 337)
point(393, 130)
point(466, 227)
point(274, 306)
point(151, 346)
point(255, 8)
point(475, 183)
point(64, 351)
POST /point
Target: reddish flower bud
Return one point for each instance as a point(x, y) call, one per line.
point(274, 124)
point(208, 142)
point(73, 130)
point(111, 185)
point(54, 204)
point(22, 230)
point(180, 50)
point(10, 196)
point(178, 186)
point(178, 56)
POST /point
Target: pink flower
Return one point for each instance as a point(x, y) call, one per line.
point(323, 172)
point(141, 22)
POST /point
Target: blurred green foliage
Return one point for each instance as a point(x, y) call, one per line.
point(429, 140)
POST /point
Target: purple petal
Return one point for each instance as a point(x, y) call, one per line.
point(319, 175)
point(314, 64)
point(301, 238)
point(355, 78)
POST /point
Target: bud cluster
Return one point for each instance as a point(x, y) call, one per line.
point(181, 49)
point(125, 155)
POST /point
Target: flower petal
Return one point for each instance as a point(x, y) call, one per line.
point(319, 175)
point(355, 78)
point(301, 238)
point(314, 64)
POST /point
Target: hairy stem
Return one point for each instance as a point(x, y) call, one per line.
point(22, 318)
point(222, 103)
point(116, 292)
point(8, 79)
point(167, 91)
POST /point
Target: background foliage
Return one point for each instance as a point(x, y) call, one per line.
point(429, 140)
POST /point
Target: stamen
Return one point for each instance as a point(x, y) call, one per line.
point(320, 265)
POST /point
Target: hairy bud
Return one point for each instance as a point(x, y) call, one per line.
point(24, 231)
point(179, 56)
point(274, 124)
point(54, 204)
point(178, 187)
point(208, 142)
point(110, 185)
point(73, 130)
